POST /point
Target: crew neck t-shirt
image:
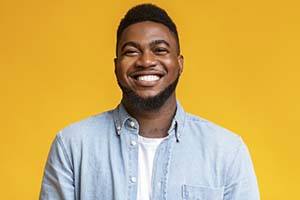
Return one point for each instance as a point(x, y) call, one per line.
point(146, 148)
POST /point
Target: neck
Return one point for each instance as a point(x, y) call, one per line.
point(153, 123)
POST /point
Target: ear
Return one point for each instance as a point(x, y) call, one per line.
point(180, 62)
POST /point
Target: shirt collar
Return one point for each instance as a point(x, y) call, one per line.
point(120, 116)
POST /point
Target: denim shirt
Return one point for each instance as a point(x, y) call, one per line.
point(97, 159)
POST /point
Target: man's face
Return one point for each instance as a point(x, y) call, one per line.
point(147, 59)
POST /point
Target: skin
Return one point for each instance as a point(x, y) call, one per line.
point(149, 48)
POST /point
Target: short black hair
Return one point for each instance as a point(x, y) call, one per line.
point(147, 12)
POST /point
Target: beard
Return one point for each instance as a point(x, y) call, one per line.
point(149, 103)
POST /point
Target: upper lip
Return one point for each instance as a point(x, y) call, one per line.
point(146, 72)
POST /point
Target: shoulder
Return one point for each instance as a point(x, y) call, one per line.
point(211, 134)
point(88, 128)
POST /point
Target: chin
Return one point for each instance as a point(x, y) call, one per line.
point(148, 99)
point(147, 95)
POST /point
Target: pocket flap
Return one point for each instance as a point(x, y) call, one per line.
point(201, 193)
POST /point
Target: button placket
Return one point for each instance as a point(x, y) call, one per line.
point(132, 144)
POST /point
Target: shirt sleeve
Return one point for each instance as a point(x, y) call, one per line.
point(58, 181)
point(241, 183)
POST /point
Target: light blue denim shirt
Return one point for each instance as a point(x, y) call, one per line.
point(97, 159)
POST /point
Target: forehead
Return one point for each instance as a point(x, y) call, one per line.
point(147, 31)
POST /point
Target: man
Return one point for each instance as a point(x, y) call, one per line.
point(148, 147)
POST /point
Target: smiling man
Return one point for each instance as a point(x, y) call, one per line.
point(148, 147)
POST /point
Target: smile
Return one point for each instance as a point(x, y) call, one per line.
point(148, 78)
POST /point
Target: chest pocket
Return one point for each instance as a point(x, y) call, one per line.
point(201, 193)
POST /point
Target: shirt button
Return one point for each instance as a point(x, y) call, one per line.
point(118, 128)
point(132, 124)
point(133, 143)
point(133, 179)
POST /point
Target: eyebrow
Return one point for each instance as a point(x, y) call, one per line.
point(157, 42)
point(152, 43)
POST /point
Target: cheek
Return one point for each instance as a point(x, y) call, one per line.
point(119, 74)
point(122, 70)
point(172, 66)
point(171, 61)
point(126, 64)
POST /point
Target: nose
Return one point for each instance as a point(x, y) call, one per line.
point(146, 59)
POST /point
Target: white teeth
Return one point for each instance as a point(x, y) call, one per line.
point(148, 78)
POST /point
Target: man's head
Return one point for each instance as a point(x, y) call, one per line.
point(148, 62)
point(147, 12)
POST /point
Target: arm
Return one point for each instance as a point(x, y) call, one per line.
point(241, 183)
point(58, 182)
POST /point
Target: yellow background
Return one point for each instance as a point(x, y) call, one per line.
point(241, 71)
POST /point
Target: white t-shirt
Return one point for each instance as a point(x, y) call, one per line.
point(147, 148)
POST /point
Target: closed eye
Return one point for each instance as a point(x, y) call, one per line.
point(161, 51)
point(130, 52)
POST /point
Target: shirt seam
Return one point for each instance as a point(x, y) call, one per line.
point(237, 151)
point(61, 143)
